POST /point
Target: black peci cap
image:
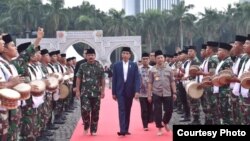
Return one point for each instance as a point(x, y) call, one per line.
point(23, 47)
point(158, 52)
point(90, 51)
point(225, 46)
point(44, 51)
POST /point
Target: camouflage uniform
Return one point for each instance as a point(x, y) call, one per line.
point(42, 109)
point(29, 121)
point(70, 98)
point(4, 113)
point(245, 100)
point(21, 62)
point(245, 110)
point(235, 100)
point(28, 114)
point(59, 104)
point(4, 125)
point(195, 103)
point(14, 114)
point(48, 100)
point(178, 91)
point(91, 76)
point(208, 99)
point(223, 97)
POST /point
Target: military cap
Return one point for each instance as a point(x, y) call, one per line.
point(23, 47)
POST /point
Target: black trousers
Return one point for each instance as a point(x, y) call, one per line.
point(167, 104)
point(184, 100)
point(146, 111)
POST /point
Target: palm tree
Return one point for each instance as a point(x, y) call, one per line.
point(54, 16)
point(26, 13)
point(210, 23)
point(180, 18)
point(153, 29)
point(117, 24)
point(243, 16)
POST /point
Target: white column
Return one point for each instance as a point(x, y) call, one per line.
point(161, 4)
point(153, 4)
point(140, 5)
point(149, 4)
point(169, 1)
point(152, 7)
point(156, 4)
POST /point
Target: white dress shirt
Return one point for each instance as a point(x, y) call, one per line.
point(125, 70)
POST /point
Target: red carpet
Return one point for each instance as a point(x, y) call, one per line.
point(109, 125)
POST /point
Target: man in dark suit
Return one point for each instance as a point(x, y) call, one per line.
point(125, 84)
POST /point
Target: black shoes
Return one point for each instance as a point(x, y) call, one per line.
point(123, 134)
point(128, 133)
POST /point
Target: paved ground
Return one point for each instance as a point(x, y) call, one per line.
point(66, 130)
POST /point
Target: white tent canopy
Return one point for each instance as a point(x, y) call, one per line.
point(71, 52)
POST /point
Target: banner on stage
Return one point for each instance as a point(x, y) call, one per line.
point(210, 132)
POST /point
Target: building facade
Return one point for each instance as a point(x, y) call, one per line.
point(133, 7)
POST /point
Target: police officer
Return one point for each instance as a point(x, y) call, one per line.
point(162, 87)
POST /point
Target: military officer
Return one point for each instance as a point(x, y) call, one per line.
point(91, 76)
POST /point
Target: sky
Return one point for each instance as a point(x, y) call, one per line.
point(105, 5)
point(214, 4)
